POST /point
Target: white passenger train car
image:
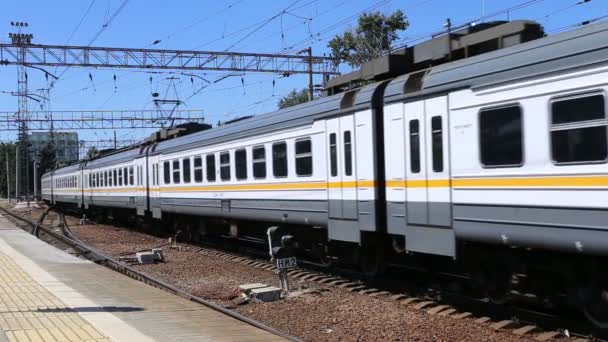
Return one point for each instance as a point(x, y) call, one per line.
point(312, 164)
point(507, 148)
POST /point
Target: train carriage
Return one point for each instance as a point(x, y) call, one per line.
point(66, 186)
point(313, 164)
point(506, 148)
point(112, 181)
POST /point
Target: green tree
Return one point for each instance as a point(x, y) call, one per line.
point(47, 159)
point(294, 98)
point(92, 152)
point(371, 38)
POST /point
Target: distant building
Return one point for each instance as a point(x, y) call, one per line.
point(66, 144)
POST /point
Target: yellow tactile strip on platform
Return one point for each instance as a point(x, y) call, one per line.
point(29, 312)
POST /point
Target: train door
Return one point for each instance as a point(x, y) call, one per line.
point(154, 178)
point(140, 189)
point(416, 194)
point(428, 208)
point(342, 184)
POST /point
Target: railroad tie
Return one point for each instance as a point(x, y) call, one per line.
point(410, 300)
point(326, 280)
point(317, 278)
point(356, 288)
point(398, 297)
point(423, 305)
point(309, 276)
point(462, 315)
point(546, 336)
point(483, 319)
point(524, 330)
point(369, 290)
point(381, 293)
point(338, 282)
point(437, 309)
point(447, 312)
point(502, 324)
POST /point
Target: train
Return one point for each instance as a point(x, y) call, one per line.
point(488, 157)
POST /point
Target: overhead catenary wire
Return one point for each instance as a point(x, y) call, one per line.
point(560, 10)
point(106, 24)
point(198, 22)
point(579, 24)
point(259, 27)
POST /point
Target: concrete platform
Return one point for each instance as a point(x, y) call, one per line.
point(49, 295)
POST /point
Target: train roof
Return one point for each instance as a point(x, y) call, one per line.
point(65, 170)
point(568, 50)
point(115, 158)
point(298, 115)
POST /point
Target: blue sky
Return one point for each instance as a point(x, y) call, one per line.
point(216, 26)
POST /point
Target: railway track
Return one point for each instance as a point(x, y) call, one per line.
point(66, 240)
point(541, 326)
point(521, 321)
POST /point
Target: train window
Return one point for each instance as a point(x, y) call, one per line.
point(578, 130)
point(225, 166)
point(115, 177)
point(333, 154)
point(167, 172)
point(210, 162)
point(501, 137)
point(107, 180)
point(415, 146)
point(259, 162)
point(186, 168)
point(198, 169)
point(176, 172)
point(437, 143)
point(279, 159)
point(240, 163)
point(125, 175)
point(131, 176)
point(110, 178)
point(303, 157)
point(120, 177)
point(348, 154)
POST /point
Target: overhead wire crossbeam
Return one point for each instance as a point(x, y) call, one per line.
point(84, 56)
point(98, 119)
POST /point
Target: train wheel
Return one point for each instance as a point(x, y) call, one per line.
point(596, 307)
point(372, 260)
point(319, 251)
